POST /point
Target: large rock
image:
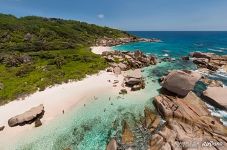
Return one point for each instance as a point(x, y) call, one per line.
point(117, 70)
point(112, 145)
point(201, 55)
point(187, 120)
point(122, 66)
point(134, 74)
point(132, 81)
point(180, 82)
point(216, 96)
point(27, 117)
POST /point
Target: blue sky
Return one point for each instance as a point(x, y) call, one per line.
point(129, 14)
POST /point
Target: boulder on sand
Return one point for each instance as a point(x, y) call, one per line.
point(180, 82)
point(216, 96)
point(123, 91)
point(2, 128)
point(27, 117)
point(117, 70)
point(38, 123)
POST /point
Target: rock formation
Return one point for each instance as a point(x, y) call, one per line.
point(216, 96)
point(180, 82)
point(134, 80)
point(210, 61)
point(188, 124)
point(27, 117)
point(129, 60)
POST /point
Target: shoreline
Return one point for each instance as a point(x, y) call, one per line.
point(58, 99)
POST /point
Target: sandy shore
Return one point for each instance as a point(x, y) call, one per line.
point(65, 97)
point(100, 49)
point(56, 99)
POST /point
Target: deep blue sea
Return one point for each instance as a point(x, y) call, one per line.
point(180, 43)
point(176, 44)
point(90, 128)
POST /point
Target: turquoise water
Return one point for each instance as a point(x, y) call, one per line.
point(91, 127)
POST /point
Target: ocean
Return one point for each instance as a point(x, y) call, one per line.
point(90, 128)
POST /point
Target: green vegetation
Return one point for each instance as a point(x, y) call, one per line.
point(38, 52)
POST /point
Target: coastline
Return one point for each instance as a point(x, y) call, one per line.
point(59, 99)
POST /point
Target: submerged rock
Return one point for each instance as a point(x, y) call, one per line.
point(112, 145)
point(27, 117)
point(127, 135)
point(185, 58)
point(216, 96)
point(180, 82)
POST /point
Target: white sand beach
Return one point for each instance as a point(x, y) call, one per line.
point(58, 98)
point(99, 49)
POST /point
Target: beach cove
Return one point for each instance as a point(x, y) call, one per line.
point(89, 126)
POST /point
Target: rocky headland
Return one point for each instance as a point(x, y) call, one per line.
point(129, 64)
point(209, 61)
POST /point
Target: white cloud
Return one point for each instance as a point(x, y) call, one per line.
point(100, 16)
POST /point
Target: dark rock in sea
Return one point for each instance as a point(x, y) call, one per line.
point(2, 128)
point(216, 96)
point(112, 145)
point(185, 58)
point(38, 123)
point(201, 55)
point(187, 120)
point(180, 82)
point(167, 59)
point(27, 117)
